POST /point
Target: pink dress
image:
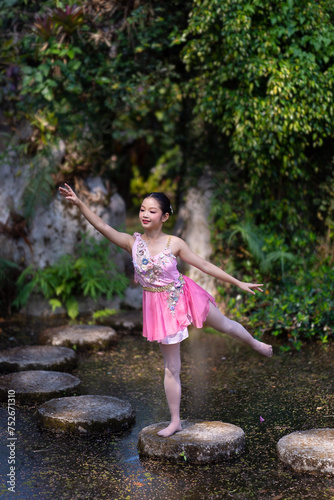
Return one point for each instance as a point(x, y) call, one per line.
point(180, 301)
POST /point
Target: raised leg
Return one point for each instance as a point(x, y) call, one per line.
point(172, 363)
point(219, 322)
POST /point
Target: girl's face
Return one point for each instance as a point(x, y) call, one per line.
point(150, 213)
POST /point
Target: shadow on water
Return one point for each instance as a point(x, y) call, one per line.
point(222, 380)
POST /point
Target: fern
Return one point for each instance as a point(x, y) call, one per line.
point(279, 256)
point(4, 266)
point(256, 243)
point(250, 236)
point(92, 273)
point(72, 307)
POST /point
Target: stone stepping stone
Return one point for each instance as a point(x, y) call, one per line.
point(38, 385)
point(87, 414)
point(311, 450)
point(127, 322)
point(198, 442)
point(37, 358)
point(81, 337)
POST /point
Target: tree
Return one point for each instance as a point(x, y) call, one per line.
point(262, 72)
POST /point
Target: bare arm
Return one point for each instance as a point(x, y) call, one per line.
point(122, 240)
point(188, 256)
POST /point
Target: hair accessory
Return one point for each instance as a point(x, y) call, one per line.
point(171, 209)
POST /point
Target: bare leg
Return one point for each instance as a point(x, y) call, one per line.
point(219, 322)
point(172, 363)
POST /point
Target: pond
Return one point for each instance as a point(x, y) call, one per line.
point(221, 380)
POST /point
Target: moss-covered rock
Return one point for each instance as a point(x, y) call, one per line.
point(38, 385)
point(83, 337)
point(86, 414)
point(198, 442)
point(37, 358)
point(311, 450)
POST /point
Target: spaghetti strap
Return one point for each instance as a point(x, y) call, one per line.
point(168, 242)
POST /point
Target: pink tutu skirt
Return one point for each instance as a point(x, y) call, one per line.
point(192, 308)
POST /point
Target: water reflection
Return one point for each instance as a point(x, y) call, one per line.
point(290, 392)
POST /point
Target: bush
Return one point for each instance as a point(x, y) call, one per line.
point(91, 273)
point(263, 74)
point(299, 309)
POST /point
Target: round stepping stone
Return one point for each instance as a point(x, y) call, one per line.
point(198, 442)
point(311, 450)
point(38, 385)
point(127, 322)
point(37, 357)
point(87, 414)
point(80, 337)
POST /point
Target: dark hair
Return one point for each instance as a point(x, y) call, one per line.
point(163, 201)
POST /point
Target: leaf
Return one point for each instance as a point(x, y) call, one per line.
point(8, 263)
point(74, 65)
point(46, 92)
point(39, 77)
point(250, 235)
point(72, 307)
point(278, 256)
point(59, 289)
point(55, 303)
point(160, 115)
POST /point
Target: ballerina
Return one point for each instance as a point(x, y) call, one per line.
point(171, 301)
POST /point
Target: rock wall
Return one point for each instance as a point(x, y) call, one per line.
point(193, 227)
point(54, 230)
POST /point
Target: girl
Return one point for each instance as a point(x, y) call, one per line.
point(171, 301)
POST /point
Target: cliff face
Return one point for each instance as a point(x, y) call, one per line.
point(54, 230)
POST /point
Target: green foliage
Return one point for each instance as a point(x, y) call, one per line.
point(149, 93)
point(262, 72)
point(102, 314)
point(257, 244)
point(295, 266)
point(106, 81)
point(267, 70)
point(5, 265)
point(91, 273)
point(158, 179)
point(301, 310)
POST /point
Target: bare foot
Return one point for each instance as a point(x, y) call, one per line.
point(170, 430)
point(264, 349)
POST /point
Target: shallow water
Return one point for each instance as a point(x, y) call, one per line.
point(221, 380)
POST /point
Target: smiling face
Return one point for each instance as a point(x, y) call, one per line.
point(150, 214)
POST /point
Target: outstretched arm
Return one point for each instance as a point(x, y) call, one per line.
point(188, 256)
point(122, 240)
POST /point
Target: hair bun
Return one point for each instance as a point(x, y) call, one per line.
point(163, 201)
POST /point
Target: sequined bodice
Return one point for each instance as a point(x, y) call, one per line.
point(159, 270)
